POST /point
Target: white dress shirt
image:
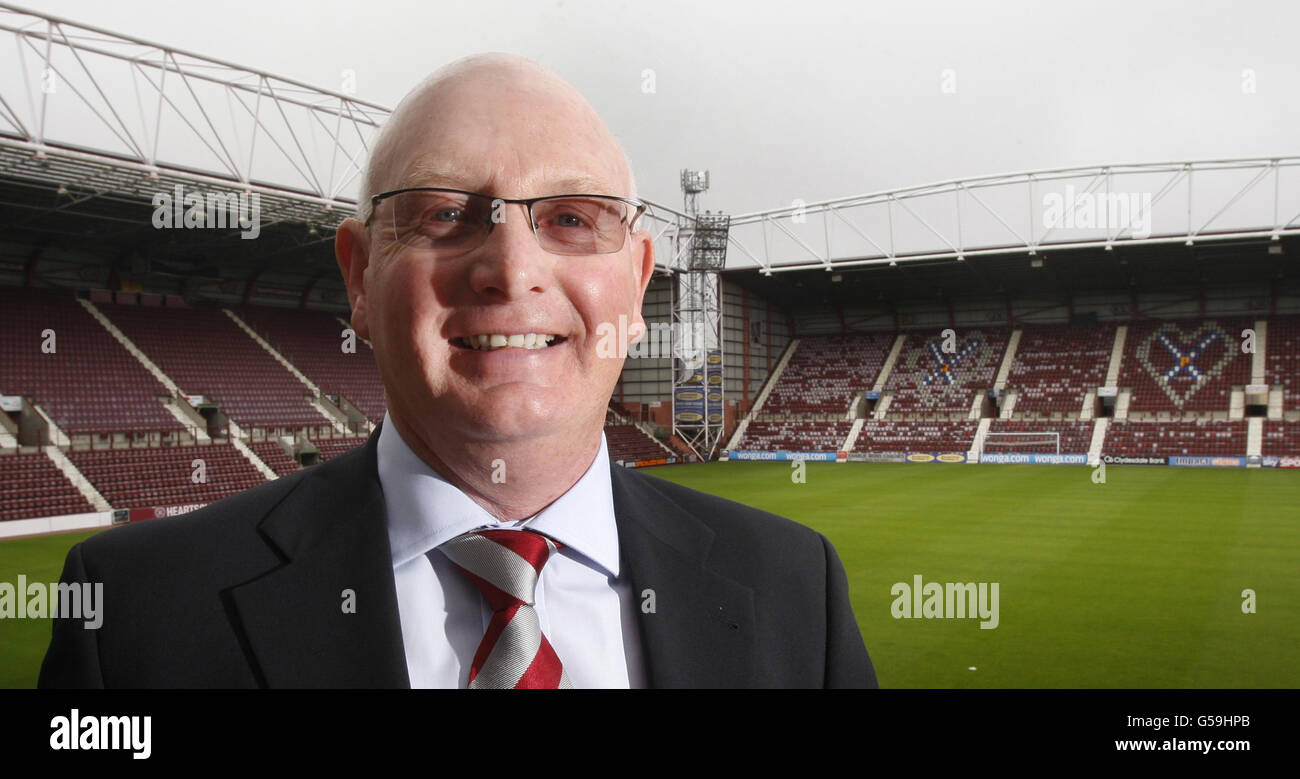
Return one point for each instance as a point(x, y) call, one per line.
point(586, 609)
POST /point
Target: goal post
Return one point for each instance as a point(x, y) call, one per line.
point(1014, 442)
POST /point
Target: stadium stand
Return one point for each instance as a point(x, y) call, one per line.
point(1056, 365)
point(1075, 436)
point(1202, 437)
point(825, 372)
point(627, 442)
point(165, 476)
point(333, 447)
point(93, 385)
point(1282, 366)
point(1281, 438)
point(1184, 365)
point(916, 436)
point(795, 436)
point(271, 453)
point(206, 353)
point(90, 383)
point(927, 380)
point(31, 486)
point(312, 341)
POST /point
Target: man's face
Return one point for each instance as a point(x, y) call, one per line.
point(422, 310)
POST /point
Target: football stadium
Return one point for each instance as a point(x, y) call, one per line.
point(1049, 419)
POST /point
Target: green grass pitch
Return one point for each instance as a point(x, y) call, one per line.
point(1136, 582)
point(23, 641)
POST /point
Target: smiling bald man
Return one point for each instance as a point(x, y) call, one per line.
point(480, 538)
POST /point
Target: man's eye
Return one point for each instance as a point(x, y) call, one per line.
point(448, 215)
point(573, 219)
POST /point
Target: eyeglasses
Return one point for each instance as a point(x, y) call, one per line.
point(452, 222)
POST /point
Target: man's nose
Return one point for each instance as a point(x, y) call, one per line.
point(511, 263)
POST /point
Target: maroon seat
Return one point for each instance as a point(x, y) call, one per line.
point(825, 372)
point(207, 354)
point(312, 341)
point(90, 383)
point(795, 436)
point(1056, 365)
point(1185, 365)
point(32, 486)
point(130, 478)
point(1164, 439)
point(926, 379)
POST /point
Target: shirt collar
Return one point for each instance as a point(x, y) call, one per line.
point(425, 510)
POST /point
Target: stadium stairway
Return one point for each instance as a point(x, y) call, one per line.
point(1007, 360)
point(882, 405)
point(977, 443)
point(1254, 436)
point(328, 410)
point(1116, 356)
point(1121, 404)
point(772, 378)
point(1237, 404)
point(643, 427)
point(237, 440)
point(890, 362)
point(76, 477)
point(1098, 440)
point(190, 417)
point(187, 416)
point(130, 346)
point(1259, 360)
point(854, 432)
point(1089, 402)
point(8, 432)
point(57, 435)
point(1008, 406)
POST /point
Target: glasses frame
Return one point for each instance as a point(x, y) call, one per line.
point(527, 203)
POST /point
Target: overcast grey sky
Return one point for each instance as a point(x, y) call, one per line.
point(811, 99)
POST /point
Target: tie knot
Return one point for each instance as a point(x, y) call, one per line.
point(503, 564)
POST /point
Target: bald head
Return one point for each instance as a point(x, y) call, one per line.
point(498, 121)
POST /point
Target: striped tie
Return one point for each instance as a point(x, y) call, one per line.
point(504, 565)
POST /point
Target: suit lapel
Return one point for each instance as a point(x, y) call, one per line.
point(331, 532)
point(701, 632)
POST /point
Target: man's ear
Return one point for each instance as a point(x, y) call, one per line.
point(643, 263)
point(352, 250)
point(647, 264)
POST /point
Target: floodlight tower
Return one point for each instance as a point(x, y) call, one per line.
point(698, 378)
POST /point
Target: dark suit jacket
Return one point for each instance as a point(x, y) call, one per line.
point(248, 592)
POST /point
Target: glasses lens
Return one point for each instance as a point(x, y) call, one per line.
point(447, 222)
point(581, 225)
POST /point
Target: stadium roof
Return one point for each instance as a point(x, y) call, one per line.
point(1049, 275)
point(94, 125)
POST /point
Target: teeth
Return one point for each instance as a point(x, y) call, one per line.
point(486, 342)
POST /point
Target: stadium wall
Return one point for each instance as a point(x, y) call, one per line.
point(754, 333)
point(77, 269)
point(1254, 300)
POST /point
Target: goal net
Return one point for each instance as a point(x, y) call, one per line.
point(1037, 443)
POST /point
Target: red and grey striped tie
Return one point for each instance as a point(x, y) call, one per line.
point(504, 565)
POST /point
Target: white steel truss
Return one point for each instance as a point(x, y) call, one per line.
point(109, 116)
point(84, 105)
point(1063, 208)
